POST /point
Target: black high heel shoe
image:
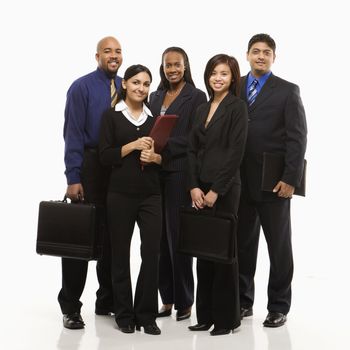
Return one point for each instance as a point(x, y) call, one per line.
point(200, 327)
point(152, 329)
point(130, 328)
point(221, 331)
point(164, 312)
point(183, 314)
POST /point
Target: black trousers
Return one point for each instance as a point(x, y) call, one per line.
point(217, 289)
point(176, 285)
point(124, 210)
point(274, 218)
point(95, 181)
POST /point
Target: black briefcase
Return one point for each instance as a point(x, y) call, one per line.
point(208, 234)
point(68, 230)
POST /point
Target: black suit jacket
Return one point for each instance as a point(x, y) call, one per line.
point(277, 124)
point(215, 152)
point(185, 106)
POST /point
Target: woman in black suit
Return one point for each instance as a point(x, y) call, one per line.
point(133, 197)
point(215, 152)
point(176, 94)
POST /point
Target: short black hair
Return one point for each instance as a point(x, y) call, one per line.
point(264, 38)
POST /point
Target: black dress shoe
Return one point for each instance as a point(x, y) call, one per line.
point(183, 314)
point(275, 319)
point(152, 329)
point(164, 312)
point(220, 331)
point(130, 328)
point(200, 327)
point(245, 312)
point(73, 321)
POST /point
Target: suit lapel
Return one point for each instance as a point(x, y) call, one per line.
point(203, 116)
point(158, 100)
point(265, 93)
point(184, 95)
point(220, 111)
point(244, 89)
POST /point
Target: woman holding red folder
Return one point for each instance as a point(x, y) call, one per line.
point(133, 197)
point(176, 94)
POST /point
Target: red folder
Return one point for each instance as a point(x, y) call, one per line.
point(161, 130)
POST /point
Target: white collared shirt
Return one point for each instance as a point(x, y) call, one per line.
point(121, 106)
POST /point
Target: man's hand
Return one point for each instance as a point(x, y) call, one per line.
point(284, 190)
point(75, 192)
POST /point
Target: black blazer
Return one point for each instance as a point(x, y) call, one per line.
point(185, 105)
point(215, 152)
point(277, 124)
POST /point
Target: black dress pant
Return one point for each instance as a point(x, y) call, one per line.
point(94, 181)
point(217, 290)
point(176, 285)
point(274, 218)
point(124, 210)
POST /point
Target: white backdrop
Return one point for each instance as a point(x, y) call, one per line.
point(45, 45)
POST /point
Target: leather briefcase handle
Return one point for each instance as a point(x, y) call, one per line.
point(213, 212)
point(65, 200)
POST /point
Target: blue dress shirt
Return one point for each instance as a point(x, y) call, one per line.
point(87, 98)
point(261, 81)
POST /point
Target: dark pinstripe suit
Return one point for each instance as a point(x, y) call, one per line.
point(277, 124)
point(175, 270)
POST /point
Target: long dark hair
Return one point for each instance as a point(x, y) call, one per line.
point(234, 68)
point(164, 83)
point(129, 73)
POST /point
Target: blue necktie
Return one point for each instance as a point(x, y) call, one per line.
point(252, 92)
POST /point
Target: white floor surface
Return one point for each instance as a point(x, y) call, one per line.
point(31, 318)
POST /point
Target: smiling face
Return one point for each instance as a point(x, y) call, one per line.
point(220, 78)
point(109, 56)
point(173, 67)
point(260, 57)
point(137, 88)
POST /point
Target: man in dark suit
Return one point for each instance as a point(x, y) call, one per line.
point(277, 125)
point(87, 98)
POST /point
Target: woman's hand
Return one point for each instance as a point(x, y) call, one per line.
point(148, 156)
point(210, 198)
point(197, 196)
point(139, 144)
point(143, 143)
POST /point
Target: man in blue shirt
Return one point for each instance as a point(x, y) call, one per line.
point(277, 125)
point(87, 99)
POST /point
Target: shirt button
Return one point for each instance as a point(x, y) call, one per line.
point(137, 129)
